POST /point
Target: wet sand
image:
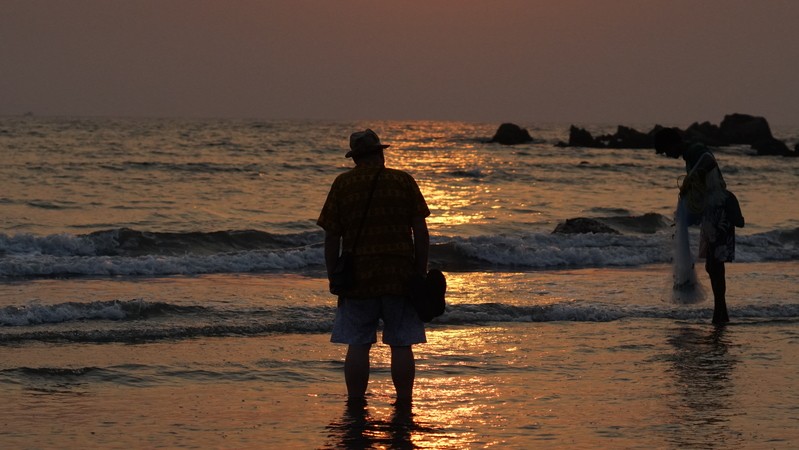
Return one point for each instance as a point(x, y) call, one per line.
point(630, 383)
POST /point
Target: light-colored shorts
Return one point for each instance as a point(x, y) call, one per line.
point(357, 321)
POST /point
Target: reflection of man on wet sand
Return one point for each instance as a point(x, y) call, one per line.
point(358, 429)
point(703, 368)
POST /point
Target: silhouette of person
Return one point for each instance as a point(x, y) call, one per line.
point(385, 212)
point(711, 205)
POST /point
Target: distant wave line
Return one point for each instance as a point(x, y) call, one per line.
point(114, 320)
point(134, 253)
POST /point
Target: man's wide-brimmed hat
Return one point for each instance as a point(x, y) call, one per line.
point(363, 142)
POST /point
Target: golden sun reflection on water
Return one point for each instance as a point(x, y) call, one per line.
point(510, 288)
point(452, 186)
point(449, 205)
point(446, 407)
point(459, 402)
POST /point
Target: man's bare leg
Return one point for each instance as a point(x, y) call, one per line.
point(403, 372)
point(356, 370)
point(718, 283)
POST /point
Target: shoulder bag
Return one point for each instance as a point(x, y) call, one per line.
point(342, 279)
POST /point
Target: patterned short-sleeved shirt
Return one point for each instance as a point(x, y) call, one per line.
point(384, 253)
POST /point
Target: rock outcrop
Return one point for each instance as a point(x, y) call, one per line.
point(735, 129)
point(511, 134)
point(579, 137)
point(582, 225)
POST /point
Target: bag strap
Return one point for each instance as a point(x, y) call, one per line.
point(366, 211)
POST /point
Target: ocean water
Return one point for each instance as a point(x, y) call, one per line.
point(161, 285)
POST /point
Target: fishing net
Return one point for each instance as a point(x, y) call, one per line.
point(686, 288)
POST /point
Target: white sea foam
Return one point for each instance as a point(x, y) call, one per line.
point(153, 265)
point(21, 322)
point(36, 314)
point(578, 250)
point(30, 256)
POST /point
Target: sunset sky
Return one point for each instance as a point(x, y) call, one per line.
point(615, 61)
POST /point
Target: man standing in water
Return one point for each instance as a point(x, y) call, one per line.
point(709, 204)
point(378, 214)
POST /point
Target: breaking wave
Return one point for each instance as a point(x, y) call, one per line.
point(138, 320)
point(138, 253)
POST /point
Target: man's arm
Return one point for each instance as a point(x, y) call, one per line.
point(421, 244)
point(332, 250)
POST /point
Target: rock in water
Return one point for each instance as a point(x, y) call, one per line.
point(583, 225)
point(511, 134)
point(579, 137)
point(737, 129)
